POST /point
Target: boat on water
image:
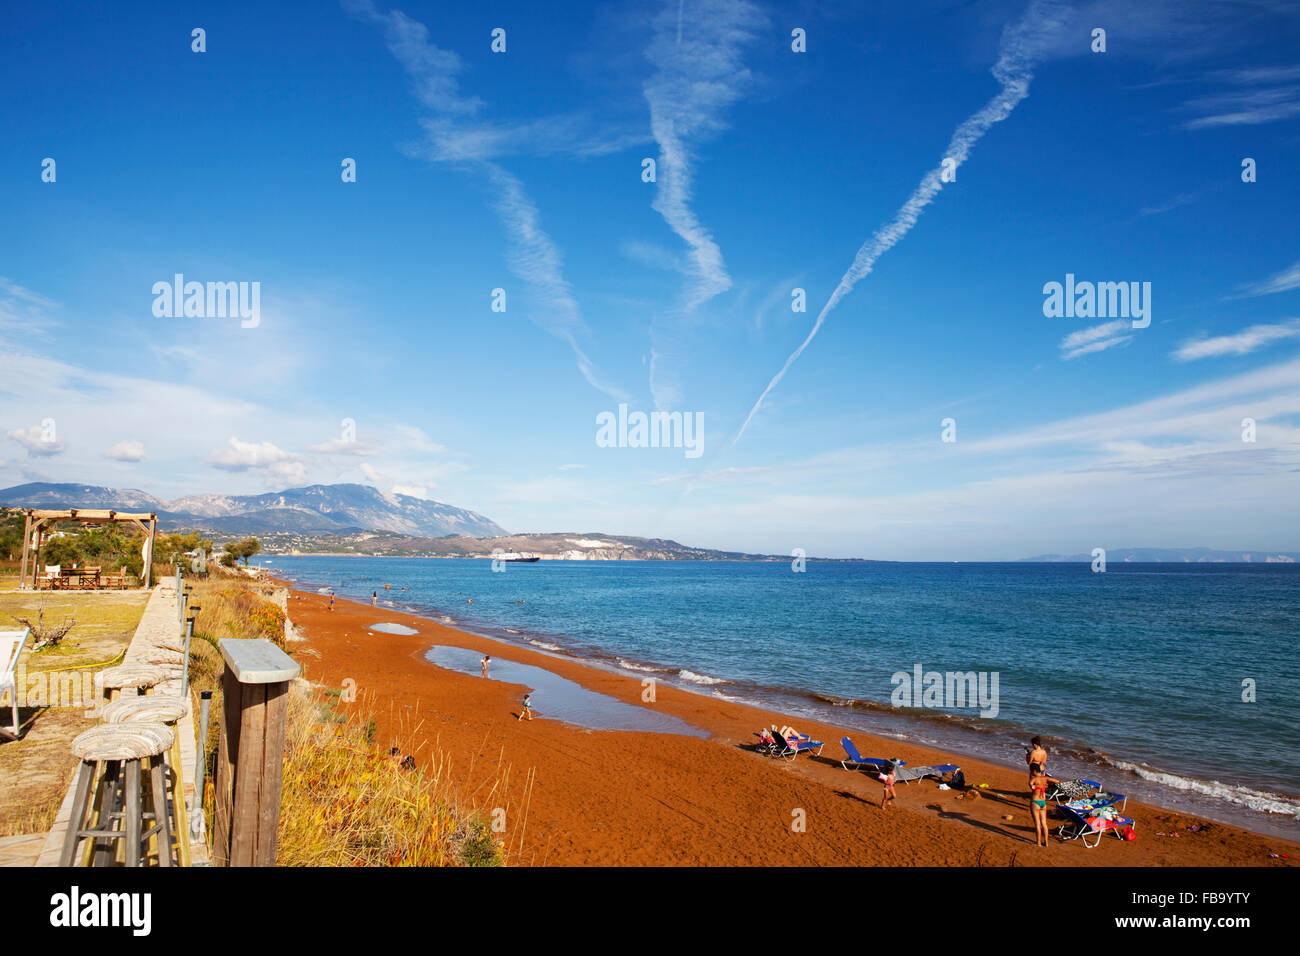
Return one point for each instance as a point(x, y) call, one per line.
point(519, 558)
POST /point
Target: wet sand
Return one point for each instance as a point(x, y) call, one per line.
point(576, 796)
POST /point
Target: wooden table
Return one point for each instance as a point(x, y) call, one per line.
point(74, 578)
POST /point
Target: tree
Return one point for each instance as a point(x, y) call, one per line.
point(242, 549)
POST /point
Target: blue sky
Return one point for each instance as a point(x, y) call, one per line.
point(522, 171)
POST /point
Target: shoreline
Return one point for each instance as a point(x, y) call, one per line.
point(739, 804)
point(1200, 788)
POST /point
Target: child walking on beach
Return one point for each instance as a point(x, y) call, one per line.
point(526, 713)
point(887, 778)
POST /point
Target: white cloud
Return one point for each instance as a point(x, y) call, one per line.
point(23, 310)
point(126, 450)
point(1182, 199)
point(38, 440)
point(698, 74)
point(343, 446)
point(242, 455)
point(1245, 107)
point(1097, 338)
point(533, 256)
point(1240, 343)
point(1020, 48)
point(413, 491)
point(1284, 281)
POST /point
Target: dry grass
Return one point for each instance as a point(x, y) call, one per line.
point(346, 802)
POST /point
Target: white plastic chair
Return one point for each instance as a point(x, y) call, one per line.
point(11, 648)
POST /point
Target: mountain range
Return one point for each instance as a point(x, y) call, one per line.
point(1173, 556)
point(314, 509)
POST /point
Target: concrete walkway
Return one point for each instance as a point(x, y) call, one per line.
point(158, 641)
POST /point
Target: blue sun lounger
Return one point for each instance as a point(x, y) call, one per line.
point(1082, 826)
point(793, 747)
point(875, 763)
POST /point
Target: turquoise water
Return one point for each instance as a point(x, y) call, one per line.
point(1135, 675)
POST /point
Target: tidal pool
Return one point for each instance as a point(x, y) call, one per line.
point(386, 628)
point(559, 698)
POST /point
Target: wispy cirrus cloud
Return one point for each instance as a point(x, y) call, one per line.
point(1097, 338)
point(1183, 199)
point(697, 52)
point(1239, 343)
point(1020, 49)
point(1283, 281)
point(21, 309)
point(1259, 95)
point(455, 135)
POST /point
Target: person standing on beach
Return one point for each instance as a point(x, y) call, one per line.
point(374, 598)
point(1038, 781)
point(887, 778)
point(526, 713)
point(331, 600)
point(1037, 754)
point(485, 662)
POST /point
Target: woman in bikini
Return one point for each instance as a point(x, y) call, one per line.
point(1038, 782)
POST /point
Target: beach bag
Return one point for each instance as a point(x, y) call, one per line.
point(958, 781)
point(1129, 834)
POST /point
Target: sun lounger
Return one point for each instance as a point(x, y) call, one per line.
point(791, 747)
point(1079, 826)
point(908, 774)
point(875, 763)
point(765, 746)
point(1085, 795)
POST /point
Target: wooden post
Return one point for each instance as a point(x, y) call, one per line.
point(27, 540)
point(148, 566)
point(255, 691)
point(36, 560)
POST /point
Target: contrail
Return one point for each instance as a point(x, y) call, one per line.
point(533, 255)
point(699, 73)
point(1017, 56)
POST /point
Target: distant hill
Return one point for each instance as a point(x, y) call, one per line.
point(1174, 556)
point(315, 509)
point(567, 546)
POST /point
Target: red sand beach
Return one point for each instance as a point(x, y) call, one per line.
point(580, 797)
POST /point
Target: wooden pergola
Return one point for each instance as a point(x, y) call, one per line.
point(41, 522)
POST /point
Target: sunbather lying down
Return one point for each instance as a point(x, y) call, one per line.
point(789, 733)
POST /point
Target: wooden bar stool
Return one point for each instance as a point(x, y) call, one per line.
point(120, 747)
point(157, 709)
point(137, 677)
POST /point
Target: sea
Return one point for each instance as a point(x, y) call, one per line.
point(1177, 684)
